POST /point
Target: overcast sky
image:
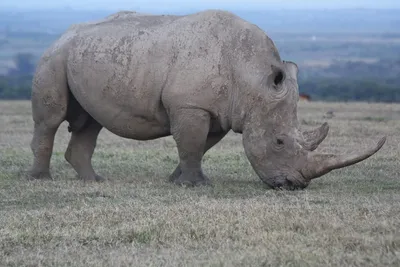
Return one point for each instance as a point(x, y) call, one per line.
point(203, 4)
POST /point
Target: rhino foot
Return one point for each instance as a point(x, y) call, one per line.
point(191, 180)
point(188, 180)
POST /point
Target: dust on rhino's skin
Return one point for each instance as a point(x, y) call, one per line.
point(194, 77)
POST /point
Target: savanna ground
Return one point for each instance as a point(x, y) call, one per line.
point(348, 217)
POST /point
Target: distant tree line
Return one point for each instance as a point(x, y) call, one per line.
point(341, 81)
point(382, 70)
point(353, 81)
point(16, 84)
point(333, 89)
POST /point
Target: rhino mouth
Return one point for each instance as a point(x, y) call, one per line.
point(282, 181)
point(288, 185)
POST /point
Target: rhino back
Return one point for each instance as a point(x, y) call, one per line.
point(121, 68)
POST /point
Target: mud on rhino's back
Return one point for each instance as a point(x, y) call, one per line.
point(106, 66)
point(124, 20)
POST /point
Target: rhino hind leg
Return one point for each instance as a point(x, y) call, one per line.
point(80, 150)
point(212, 140)
point(49, 105)
point(189, 128)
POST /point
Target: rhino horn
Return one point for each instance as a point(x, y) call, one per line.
point(319, 164)
point(312, 138)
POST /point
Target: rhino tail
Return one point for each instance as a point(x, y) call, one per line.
point(77, 117)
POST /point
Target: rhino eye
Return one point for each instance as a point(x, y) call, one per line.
point(279, 141)
point(278, 78)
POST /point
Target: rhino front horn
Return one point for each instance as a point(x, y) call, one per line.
point(319, 164)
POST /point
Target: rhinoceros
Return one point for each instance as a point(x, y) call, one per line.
point(195, 77)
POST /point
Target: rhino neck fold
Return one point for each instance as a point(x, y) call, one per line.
point(236, 111)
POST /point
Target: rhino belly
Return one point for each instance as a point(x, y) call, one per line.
point(126, 104)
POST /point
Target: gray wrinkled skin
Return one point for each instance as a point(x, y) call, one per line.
point(194, 77)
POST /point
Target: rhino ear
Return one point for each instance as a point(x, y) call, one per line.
point(276, 77)
point(292, 69)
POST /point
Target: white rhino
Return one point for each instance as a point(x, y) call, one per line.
point(195, 77)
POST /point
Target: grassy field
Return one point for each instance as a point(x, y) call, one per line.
point(349, 217)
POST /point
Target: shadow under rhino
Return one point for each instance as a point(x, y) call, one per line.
point(195, 77)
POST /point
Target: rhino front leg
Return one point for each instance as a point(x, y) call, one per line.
point(189, 128)
point(80, 150)
point(212, 140)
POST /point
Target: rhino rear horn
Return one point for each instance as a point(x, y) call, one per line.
point(312, 138)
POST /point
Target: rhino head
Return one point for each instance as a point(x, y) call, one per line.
point(282, 155)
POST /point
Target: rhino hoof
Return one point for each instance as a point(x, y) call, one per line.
point(99, 178)
point(96, 178)
point(33, 175)
point(191, 181)
point(175, 175)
